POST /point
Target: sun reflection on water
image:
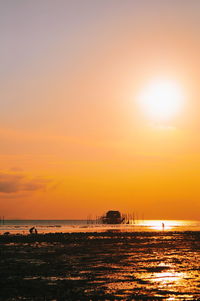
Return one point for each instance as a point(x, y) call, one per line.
point(164, 274)
point(167, 277)
point(162, 225)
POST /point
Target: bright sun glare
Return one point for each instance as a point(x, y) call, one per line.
point(162, 99)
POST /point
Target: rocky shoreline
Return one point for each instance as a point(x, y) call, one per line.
point(100, 266)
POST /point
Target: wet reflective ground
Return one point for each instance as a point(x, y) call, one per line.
point(101, 266)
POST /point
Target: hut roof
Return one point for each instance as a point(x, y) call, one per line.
point(113, 214)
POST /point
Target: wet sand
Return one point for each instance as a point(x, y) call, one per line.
point(100, 266)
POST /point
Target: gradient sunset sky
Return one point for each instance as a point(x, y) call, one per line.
point(73, 139)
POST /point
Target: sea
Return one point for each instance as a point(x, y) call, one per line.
point(69, 226)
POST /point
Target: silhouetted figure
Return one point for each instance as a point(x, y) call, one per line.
point(36, 232)
point(163, 226)
point(31, 230)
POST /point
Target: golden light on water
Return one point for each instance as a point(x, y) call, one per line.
point(161, 225)
point(168, 277)
point(162, 99)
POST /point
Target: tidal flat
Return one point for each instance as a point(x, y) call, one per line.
point(100, 266)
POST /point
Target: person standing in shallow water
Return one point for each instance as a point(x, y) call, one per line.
point(163, 226)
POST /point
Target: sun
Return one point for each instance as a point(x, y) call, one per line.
point(162, 99)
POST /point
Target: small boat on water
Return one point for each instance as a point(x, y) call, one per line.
point(113, 217)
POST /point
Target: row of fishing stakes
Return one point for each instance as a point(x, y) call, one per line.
point(130, 218)
point(2, 220)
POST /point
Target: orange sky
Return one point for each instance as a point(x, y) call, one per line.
point(74, 141)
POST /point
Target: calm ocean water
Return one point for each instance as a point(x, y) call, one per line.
point(46, 226)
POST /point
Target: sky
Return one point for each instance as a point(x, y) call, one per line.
point(74, 139)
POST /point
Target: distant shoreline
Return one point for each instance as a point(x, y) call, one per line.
point(107, 235)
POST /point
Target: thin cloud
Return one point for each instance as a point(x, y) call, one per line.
point(19, 182)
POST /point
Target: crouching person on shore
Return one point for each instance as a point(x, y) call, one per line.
point(33, 230)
